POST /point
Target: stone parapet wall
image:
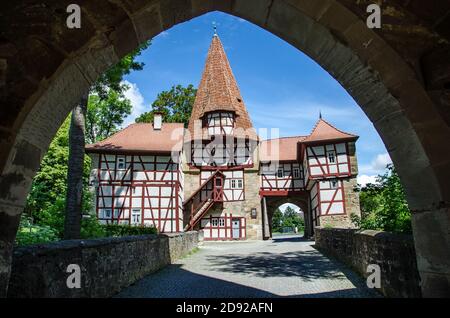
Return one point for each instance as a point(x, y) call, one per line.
point(394, 253)
point(107, 265)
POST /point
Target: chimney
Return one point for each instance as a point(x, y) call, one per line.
point(157, 120)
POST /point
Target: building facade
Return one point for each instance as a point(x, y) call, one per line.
point(217, 175)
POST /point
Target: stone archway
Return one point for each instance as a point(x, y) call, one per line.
point(301, 201)
point(399, 75)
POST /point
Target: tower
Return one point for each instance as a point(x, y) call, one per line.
point(219, 148)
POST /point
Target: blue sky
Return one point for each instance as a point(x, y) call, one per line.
point(281, 87)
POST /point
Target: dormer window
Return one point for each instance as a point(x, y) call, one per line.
point(220, 123)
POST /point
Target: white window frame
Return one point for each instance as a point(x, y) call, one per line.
point(222, 222)
point(296, 173)
point(120, 161)
point(333, 154)
point(106, 212)
point(334, 184)
point(215, 222)
point(233, 184)
point(240, 183)
point(280, 175)
point(138, 213)
point(116, 213)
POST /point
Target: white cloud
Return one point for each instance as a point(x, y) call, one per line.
point(377, 165)
point(381, 161)
point(137, 101)
point(284, 206)
point(368, 173)
point(365, 179)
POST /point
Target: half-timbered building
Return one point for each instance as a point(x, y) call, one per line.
point(217, 176)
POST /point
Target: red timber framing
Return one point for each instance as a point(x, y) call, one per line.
point(314, 204)
point(331, 197)
point(219, 123)
point(320, 163)
point(286, 178)
point(221, 228)
point(139, 190)
point(199, 203)
point(233, 187)
point(214, 154)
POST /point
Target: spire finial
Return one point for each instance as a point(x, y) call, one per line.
point(320, 114)
point(215, 28)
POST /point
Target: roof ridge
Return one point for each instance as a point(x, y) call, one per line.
point(299, 136)
point(344, 132)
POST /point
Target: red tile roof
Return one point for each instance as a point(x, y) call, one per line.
point(324, 131)
point(218, 89)
point(289, 147)
point(286, 150)
point(142, 138)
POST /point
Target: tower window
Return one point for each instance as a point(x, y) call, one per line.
point(334, 184)
point(121, 163)
point(136, 216)
point(220, 123)
point(331, 156)
point(280, 173)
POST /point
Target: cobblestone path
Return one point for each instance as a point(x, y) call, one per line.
point(286, 266)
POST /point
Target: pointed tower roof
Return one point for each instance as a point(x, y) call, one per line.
point(218, 89)
point(324, 131)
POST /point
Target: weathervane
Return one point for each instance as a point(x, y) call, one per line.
point(215, 28)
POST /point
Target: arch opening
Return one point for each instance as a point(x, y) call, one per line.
point(378, 79)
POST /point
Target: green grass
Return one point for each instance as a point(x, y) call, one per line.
point(191, 252)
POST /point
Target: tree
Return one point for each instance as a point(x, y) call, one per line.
point(74, 194)
point(175, 105)
point(277, 220)
point(110, 81)
point(383, 205)
point(105, 115)
point(46, 200)
point(292, 219)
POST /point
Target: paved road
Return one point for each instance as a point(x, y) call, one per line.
point(287, 266)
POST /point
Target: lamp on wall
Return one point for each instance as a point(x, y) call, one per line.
point(253, 213)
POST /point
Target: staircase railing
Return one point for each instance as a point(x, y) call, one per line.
point(210, 192)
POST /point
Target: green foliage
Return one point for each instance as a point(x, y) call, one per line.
point(112, 78)
point(91, 228)
point(277, 221)
point(126, 230)
point(30, 233)
point(175, 105)
point(107, 107)
point(48, 190)
point(383, 205)
point(289, 218)
point(105, 115)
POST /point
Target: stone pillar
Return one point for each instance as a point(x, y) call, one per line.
point(308, 221)
point(432, 243)
point(8, 228)
point(266, 228)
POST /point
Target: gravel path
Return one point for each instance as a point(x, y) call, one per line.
point(287, 266)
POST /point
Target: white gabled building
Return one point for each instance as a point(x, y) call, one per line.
point(217, 175)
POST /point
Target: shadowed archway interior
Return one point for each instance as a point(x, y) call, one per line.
point(399, 75)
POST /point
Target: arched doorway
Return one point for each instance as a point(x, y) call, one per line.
point(287, 218)
point(43, 74)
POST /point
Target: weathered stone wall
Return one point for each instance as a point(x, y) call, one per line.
point(394, 253)
point(107, 265)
